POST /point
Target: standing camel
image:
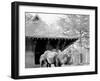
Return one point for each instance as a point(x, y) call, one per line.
point(48, 58)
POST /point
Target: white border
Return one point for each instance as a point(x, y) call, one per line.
point(39, 71)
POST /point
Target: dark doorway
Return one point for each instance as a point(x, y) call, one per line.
point(39, 50)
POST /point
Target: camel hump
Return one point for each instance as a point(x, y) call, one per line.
point(51, 54)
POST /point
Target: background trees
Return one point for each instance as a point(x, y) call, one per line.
point(76, 26)
point(28, 17)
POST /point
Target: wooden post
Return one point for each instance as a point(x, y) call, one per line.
point(48, 43)
point(63, 46)
point(33, 50)
point(58, 43)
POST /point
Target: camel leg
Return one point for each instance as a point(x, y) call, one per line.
point(58, 63)
point(48, 65)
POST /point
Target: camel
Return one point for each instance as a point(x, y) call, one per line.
point(48, 58)
point(55, 57)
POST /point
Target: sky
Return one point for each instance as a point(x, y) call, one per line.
point(48, 18)
point(50, 28)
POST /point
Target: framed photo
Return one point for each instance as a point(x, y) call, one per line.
point(50, 40)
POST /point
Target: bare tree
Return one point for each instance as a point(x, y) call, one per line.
point(77, 24)
point(28, 17)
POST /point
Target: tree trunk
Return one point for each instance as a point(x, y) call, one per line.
point(81, 54)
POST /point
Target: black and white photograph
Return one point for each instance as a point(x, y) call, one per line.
point(51, 40)
point(56, 40)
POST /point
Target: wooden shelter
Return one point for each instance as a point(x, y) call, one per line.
point(39, 45)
